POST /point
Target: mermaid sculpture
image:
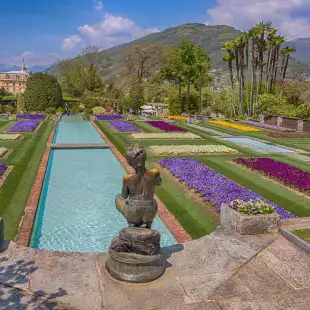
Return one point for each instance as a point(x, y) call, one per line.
point(135, 253)
point(137, 202)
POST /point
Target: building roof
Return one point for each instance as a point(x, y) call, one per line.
point(15, 72)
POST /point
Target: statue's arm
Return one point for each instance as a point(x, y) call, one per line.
point(125, 191)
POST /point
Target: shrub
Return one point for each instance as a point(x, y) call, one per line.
point(303, 111)
point(21, 104)
point(50, 110)
point(90, 102)
point(8, 108)
point(42, 91)
point(98, 110)
point(75, 108)
point(60, 109)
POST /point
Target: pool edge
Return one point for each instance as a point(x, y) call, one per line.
point(165, 215)
point(27, 221)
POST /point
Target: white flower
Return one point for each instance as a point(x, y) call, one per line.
point(3, 150)
point(165, 136)
point(190, 149)
point(5, 137)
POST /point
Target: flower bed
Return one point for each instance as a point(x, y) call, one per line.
point(165, 126)
point(102, 117)
point(123, 126)
point(178, 118)
point(3, 150)
point(287, 174)
point(212, 185)
point(235, 126)
point(251, 207)
point(165, 136)
point(267, 126)
point(24, 126)
point(190, 149)
point(2, 169)
point(282, 135)
point(7, 137)
point(31, 116)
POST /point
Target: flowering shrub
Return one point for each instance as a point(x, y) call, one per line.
point(2, 169)
point(3, 150)
point(251, 207)
point(165, 136)
point(102, 117)
point(190, 149)
point(6, 137)
point(212, 185)
point(25, 125)
point(31, 116)
point(267, 126)
point(235, 126)
point(285, 173)
point(124, 126)
point(165, 126)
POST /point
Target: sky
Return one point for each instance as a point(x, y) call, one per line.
point(45, 31)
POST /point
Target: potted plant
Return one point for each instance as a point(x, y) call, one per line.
point(253, 217)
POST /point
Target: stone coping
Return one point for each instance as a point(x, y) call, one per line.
point(169, 220)
point(80, 146)
point(5, 175)
point(302, 244)
point(27, 221)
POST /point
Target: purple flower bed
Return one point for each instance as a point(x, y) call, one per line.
point(124, 126)
point(285, 173)
point(31, 116)
point(267, 126)
point(25, 125)
point(165, 126)
point(212, 185)
point(2, 169)
point(102, 117)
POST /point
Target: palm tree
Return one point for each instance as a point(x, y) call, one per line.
point(285, 53)
point(229, 57)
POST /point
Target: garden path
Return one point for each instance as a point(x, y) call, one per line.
point(218, 271)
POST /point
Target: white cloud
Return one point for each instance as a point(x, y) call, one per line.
point(111, 31)
point(31, 59)
point(98, 5)
point(70, 42)
point(291, 17)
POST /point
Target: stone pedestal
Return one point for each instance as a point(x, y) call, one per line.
point(135, 256)
point(279, 121)
point(300, 126)
point(262, 118)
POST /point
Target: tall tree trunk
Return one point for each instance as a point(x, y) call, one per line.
point(273, 70)
point(242, 79)
point(276, 68)
point(253, 78)
point(180, 96)
point(268, 69)
point(200, 93)
point(284, 72)
point(238, 78)
point(232, 88)
point(188, 93)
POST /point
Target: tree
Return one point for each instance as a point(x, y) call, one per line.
point(285, 53)
point(90, 102)
point(42, 92)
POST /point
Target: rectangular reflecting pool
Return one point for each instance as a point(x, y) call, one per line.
point(76, 133)
point(76, 211)
point(257, 145)
point(71, 118)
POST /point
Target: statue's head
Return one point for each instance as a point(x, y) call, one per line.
point(136, 156)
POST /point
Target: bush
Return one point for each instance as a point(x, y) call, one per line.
point(75, 108)
point(98, 110)
point(21, 104)
point(273, 104)
point(90, 102)
point(8, 108)
point(50, 110)
point(42, 92)
point(60, 109)
point(303, 111)
point(89, 111)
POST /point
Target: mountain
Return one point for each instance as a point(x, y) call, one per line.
point(302, 49)
point(33, 69)
point(210, 38)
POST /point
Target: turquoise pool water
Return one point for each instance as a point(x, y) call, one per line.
point(76, 211)
point(71, 118)
point(76, 133)
point(257, 145)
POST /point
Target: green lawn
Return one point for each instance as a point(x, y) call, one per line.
point(26, 159)
point(186, 211)
point(303, 234)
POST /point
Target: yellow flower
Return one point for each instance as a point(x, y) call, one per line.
point(235, 126)
point(177, 117)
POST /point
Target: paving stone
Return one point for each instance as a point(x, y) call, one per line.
point(202, 256)
point(16, 265)
point(206, 305)
point(289, 261)
point(71, 278)
point(164, 292)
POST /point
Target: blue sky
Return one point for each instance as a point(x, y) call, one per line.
point(43, 31)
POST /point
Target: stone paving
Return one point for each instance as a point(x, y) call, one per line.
point(218, 271)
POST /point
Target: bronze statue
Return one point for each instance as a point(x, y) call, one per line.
point(137, 202)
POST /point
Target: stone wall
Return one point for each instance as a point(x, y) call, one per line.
point(287, 122)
